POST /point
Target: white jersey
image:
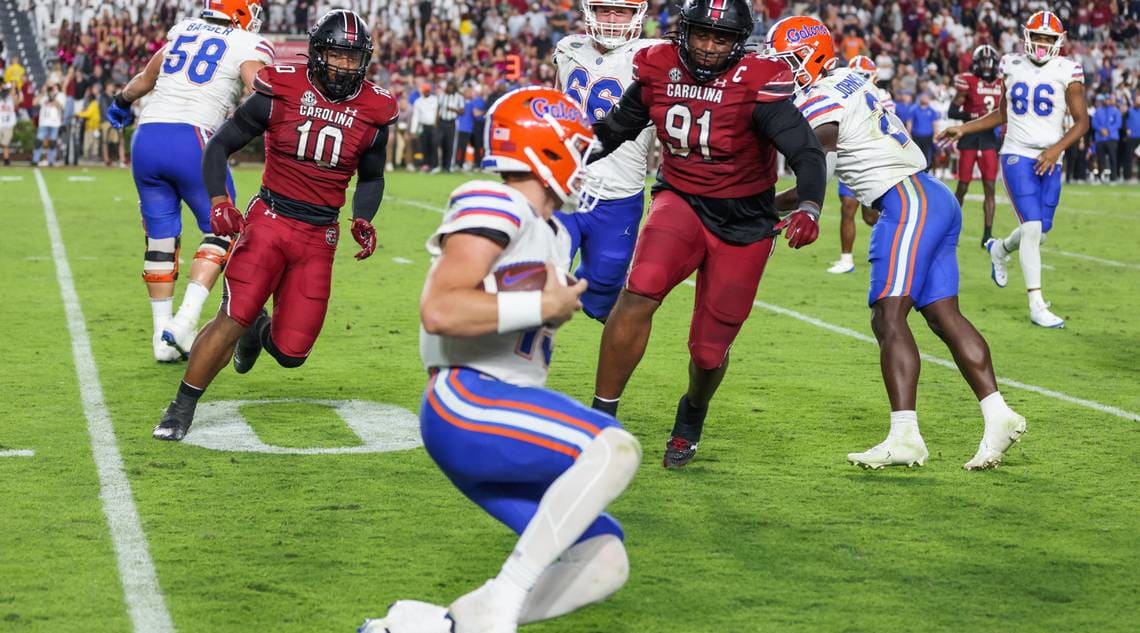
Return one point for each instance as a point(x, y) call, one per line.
point(200, 80)
point(597, 81)
point(1035, 102)
point(519, 358)
point(875, 152)
point(7, 111)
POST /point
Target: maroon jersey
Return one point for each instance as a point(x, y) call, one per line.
point(712, 148)
point(313, 145)
point(982, 97)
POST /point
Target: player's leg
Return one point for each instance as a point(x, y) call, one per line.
point(547, 467)
point(670, 248)
point(988, 163)
point(966, 159)
point(575, 229)
point(847, 207)
point(38, 149)
point(1034, 200)
point(607, 248)
point(253, 273)
point(213, 251)
point(901, 246)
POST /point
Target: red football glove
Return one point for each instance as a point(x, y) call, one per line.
point(801, 228)
point(365, 235)
point(225, 219)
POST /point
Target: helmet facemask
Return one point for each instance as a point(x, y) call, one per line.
point(613, 34)
point(343, 78)
point(1041, 52)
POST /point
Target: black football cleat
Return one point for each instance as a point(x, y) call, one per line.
point(679, 452)
point(249, 345)
point(174, 424)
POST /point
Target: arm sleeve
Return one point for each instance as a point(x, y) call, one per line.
point(624, 122)
point(370, 178)
point(783, 124)
point(249, 121)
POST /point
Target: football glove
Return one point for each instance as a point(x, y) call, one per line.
point(365, 235)
point(119, 113)
point(800, 227)
point(225, 219)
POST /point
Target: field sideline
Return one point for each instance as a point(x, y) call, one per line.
point(321, 509)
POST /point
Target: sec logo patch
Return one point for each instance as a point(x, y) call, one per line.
point(331, 235)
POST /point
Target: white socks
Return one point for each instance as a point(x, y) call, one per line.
point(994, 408)
point(903, 423)
point(160, 311)
point(1030, 254)
point(847, 259)
point(589, 572)
point(191, 309)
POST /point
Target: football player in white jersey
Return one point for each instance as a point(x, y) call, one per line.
point(1041, 88)
point(913, 251)
point(539, 461)
point(847, 199)
point(190, 86)
point(594, 69)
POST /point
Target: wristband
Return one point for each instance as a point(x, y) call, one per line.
point(519, 310)
point(122, 102)
point(809, 208)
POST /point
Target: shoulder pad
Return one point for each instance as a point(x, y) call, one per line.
point(272, 80)
point(380, 104)
point(771, 79)
point(655, 59)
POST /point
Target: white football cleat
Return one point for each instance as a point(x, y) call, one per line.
point(1043, 317)
point(997, 264)
point(840, 267)
point(996, 441)
point(179, 336)
point(164, 353)
point(893, 451)
point(482, 611)
point(410, 616)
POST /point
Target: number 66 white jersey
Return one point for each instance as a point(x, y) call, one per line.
point(1035, 102)
point(597, 81)
point(200, 79)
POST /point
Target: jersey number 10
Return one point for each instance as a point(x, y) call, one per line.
point(326, 134)
point(202, 66)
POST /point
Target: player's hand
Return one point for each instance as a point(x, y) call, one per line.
point(365, 235)
point(800, 227)
point(225, 219)
point(119, 113)
point(950, 134)
point(560, 302)
point(1047, 161)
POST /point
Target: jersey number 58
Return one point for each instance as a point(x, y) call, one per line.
point(203, 65)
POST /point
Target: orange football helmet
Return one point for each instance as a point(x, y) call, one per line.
point(863, 64)
point(1043, 23)
point(543, 132)
point(805, 45)
point(242, 14)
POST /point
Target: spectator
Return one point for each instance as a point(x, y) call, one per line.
point(451, 106)
point(89, 117)
point(425, 115)
point(464, 126)
point(1133, 129)
point(111, 137)
point(50, 103)
point(1106, 122)
point(15, 74)
point(7, 120)
point(922, 127)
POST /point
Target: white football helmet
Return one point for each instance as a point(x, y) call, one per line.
point(613, 34)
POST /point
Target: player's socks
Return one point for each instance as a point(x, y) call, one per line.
point(847, 258)
point(179, 414)
point(606, 405)
point(589, 572)
point(687, 427)
point(191, 309)
point(1004, 427)
point(160, 312)
point(903, 424)
point(1011, 243)
point(1030, 253)
point(987, 235)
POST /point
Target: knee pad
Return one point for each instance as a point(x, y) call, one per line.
point(708, 356)
point(1031, 231)
point(160, 261)
point(215, 248)
point(283, 359)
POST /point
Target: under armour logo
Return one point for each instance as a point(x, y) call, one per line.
point(351, 111)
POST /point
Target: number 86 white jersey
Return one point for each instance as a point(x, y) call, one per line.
point(1035, 102)
point(875, 152)
point(200, 79)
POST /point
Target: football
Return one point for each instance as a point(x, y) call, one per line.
point(521, 277)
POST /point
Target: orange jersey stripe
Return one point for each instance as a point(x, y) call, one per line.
point(521, 406)
point(895, 244)
point(487, 429)
point(917, 233)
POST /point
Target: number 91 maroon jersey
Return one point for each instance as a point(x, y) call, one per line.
point(711, 147)
point(313, 145)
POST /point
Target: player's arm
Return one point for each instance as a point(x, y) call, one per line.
point(1079, 110)
point(249, 121)
point(624, 123)
point(369, 193)
point(988, 122)
point(119, 112)
point(956, 108)
point(828, 135)
point(249, 71)
point(781, 122)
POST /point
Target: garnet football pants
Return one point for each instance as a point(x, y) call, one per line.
point(986, 159)
point(290, 260)
point(503, 445)
point(673, 244)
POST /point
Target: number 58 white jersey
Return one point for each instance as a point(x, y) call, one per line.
point(1035, 105)
point(597, 81)
point(200, 79)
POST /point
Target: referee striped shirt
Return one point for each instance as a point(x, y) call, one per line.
point(451, 106)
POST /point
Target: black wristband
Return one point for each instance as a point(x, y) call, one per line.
point(121, 102)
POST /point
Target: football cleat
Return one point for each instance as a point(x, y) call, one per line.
point(1043, 317)
point(841, 267)
point(164, 353)
point(997, 264)
point(483, 611)
point(893, 451)
point(249, 345)
point(679, 452)
point(180, 336)
point(174, 424)
point(410, 616)
point(996, 441)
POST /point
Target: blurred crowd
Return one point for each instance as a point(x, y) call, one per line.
point(461, 54)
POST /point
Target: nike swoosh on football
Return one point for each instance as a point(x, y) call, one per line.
point(510, 280)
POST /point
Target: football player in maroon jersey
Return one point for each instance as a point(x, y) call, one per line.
point(322, 123)
point(979, 93)
point(721, 115)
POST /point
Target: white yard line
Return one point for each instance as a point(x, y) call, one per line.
point(1089, 258)
point(1049, 393)
point(17, 452)
point(145, 602)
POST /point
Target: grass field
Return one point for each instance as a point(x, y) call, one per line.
point(768, 530)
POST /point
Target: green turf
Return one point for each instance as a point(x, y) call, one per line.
point(768, 530)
